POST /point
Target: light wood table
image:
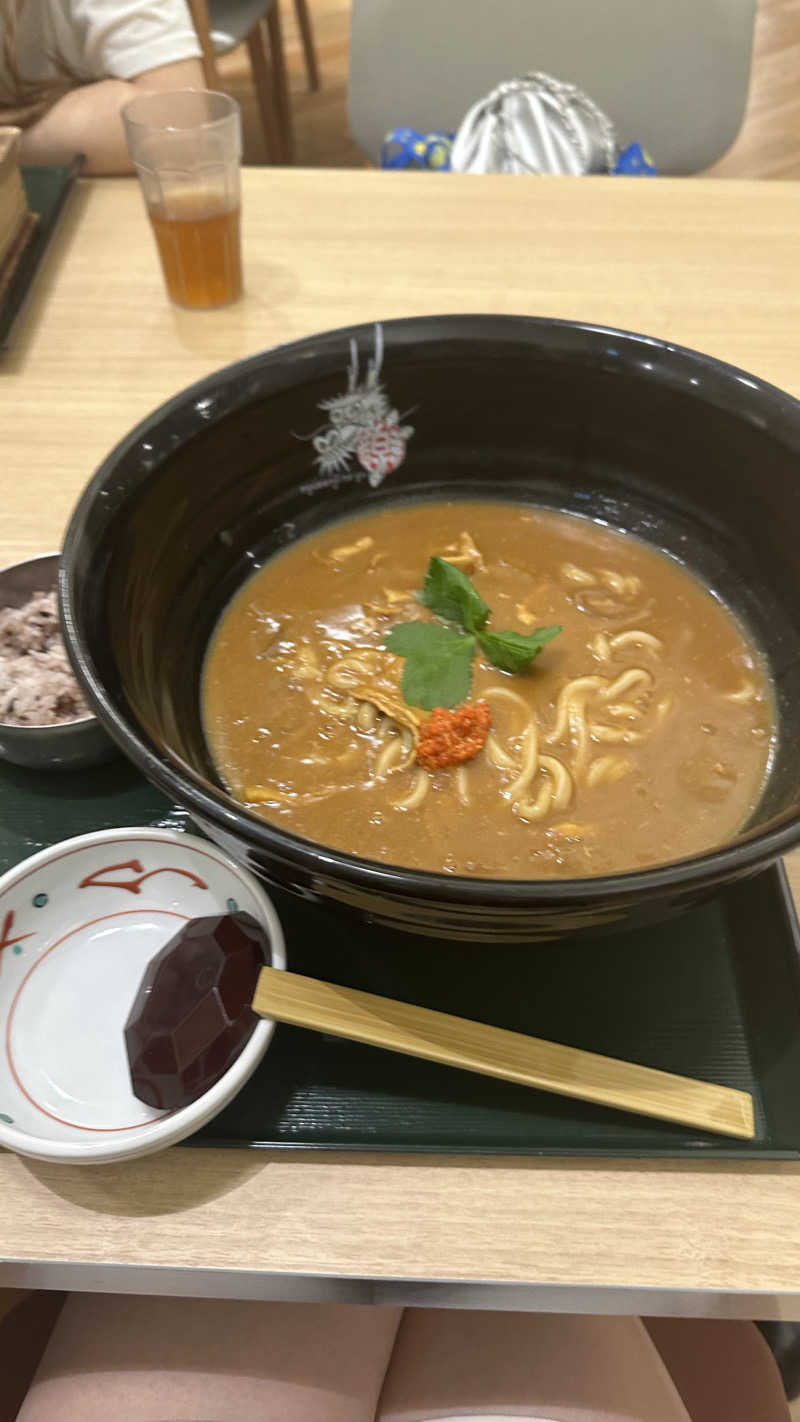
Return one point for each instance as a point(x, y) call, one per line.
point(713, 265)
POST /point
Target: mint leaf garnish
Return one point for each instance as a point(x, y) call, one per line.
point(449, 593)
point(438, 660)
point(438, 663)
point(514, 651)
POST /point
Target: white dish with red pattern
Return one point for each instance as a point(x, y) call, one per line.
point(79, 923)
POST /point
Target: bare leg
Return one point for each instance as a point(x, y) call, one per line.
point(26, 1323)
point(723, 1369)
point(560, 1367)
point(137, 1359)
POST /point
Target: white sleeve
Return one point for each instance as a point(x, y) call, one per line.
point(118, 39)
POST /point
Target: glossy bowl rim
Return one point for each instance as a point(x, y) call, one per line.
point(317, 859)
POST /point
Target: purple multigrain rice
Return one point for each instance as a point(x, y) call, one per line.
point(37, 687)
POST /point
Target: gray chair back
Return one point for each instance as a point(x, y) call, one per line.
point(673, 75)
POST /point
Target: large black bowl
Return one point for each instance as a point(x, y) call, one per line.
point(690, 454)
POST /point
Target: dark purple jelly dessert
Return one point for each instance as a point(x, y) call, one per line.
point(192, 1014)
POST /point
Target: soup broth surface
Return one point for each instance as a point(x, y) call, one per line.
point(641, 734)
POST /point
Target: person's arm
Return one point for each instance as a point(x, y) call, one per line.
point(85, 120)
point(88, 119)
point(182, 74)
point(121, 47)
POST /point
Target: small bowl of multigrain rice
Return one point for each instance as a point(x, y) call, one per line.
point(45, 721)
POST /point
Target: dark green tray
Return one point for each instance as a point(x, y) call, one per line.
point(714, 995)
point(46, 190)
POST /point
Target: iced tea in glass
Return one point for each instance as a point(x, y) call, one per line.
point(186, 146)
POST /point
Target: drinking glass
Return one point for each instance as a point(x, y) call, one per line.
point(186, 146)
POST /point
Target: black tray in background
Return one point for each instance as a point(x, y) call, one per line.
point(46, 189)
point(714, 995)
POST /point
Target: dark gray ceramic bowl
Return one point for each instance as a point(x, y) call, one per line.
point(688, 453)
point(72, 744)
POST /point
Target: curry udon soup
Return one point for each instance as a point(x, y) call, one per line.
point(642, 731)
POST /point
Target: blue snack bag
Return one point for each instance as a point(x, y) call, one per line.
point(635, 162)
point(408, 148)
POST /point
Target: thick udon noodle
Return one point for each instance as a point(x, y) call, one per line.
point(351, 691)
point(543, 759)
